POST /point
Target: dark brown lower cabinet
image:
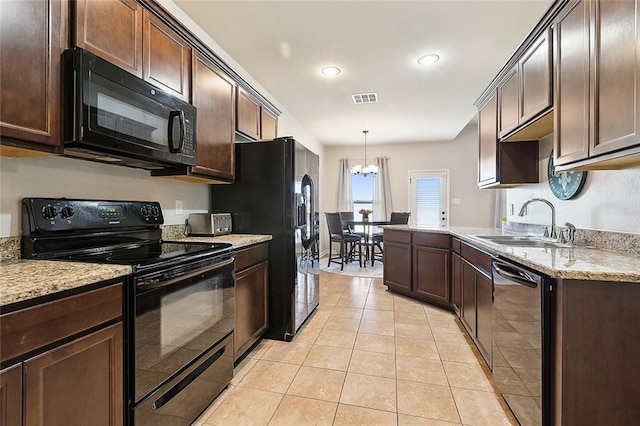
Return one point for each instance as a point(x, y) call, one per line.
point(476, 309)
point(79, 383)
point(431, 274)
point(595, 353)
point(397, 261)
point(468, 307)
point(66, 360)
point(456, 283)
point(417, 264)
point(11, 396)
point(251, 301)
point(484, 306)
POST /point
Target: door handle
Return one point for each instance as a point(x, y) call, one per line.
point(172, 116)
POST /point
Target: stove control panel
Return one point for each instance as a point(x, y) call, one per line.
point(62, 214)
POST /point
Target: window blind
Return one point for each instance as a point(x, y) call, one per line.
point(428, 201)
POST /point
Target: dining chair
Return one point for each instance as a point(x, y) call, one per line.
point(397, 218)
point(344, 216)
point(348, 242)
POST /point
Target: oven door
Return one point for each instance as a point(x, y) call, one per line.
point(181, 345)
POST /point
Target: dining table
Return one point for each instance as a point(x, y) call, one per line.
point(367, 224)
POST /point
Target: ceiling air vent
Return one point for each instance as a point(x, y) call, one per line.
point(364, 98)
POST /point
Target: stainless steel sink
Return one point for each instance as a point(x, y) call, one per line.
point(522, 241)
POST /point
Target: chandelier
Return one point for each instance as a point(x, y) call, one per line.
point(364, 169)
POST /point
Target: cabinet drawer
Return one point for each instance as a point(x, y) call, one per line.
point(26, 330)
point(456, 245)
point(432, 240)
point(251, 256)
point(479, 259)
point(397, 236)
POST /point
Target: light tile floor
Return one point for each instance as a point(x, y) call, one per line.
point(366, 357)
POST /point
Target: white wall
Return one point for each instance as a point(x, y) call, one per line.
point(460, 156)
point(71, 178)
point(609, 201)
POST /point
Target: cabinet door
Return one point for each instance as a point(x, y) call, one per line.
point(32, 39)
point(571, 94)
point(456, 283)
point(213, 95)
point(468, 308)
point(11, 396)
point(508, 101)
point(112, 29)
point(248, 115)
point(79, 383)
point(431, 274)
point(484, 306)
point(268, 125)
point(251, 307)
point(397, 266)
point(616, 76)
point(488, 142)
point(167, 58)
point(535, 78)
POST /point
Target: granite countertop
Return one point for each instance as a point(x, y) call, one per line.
point(579, 263)
point(24, 279)
point(236, 240)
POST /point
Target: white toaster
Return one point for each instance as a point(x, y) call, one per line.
point(209, 224)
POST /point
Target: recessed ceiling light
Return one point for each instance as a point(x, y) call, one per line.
point(429, 59)
point(330, 71)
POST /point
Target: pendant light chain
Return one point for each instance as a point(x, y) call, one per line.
point(365, 146)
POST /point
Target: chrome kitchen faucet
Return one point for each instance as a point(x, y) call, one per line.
point(547, 233)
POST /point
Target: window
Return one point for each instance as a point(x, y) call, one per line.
point(429, 197)
point(362, 188)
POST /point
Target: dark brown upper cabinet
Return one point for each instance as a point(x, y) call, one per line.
point(247, 115)
point(525, 94)
point(112, 29)
point(121, 32)
point(33, 35)
point(167, 58)
point(213, 95)
point(502, 164)
point(268, 124)
point(597, 100)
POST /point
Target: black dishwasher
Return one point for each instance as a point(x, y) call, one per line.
point(521, 349)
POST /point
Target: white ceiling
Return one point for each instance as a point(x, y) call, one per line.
point(283, 45)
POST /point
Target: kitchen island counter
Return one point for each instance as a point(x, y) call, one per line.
point(576, 262)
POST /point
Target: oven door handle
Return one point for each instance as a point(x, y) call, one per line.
point(162, 282)
point(175, 390)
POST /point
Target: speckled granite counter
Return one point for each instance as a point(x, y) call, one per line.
point(237, 240)
point(580, 263)
point(26, 279)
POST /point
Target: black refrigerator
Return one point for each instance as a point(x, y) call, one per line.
point(276, 192)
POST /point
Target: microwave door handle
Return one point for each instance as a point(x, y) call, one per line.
point(172, 116)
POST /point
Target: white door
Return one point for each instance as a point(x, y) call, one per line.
point(429, 197)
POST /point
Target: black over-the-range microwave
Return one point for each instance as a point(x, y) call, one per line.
point(114, 117)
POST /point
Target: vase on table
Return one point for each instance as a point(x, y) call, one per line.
point(365, 217)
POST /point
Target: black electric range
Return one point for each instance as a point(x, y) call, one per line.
point(116, 232)
point(179, 300)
